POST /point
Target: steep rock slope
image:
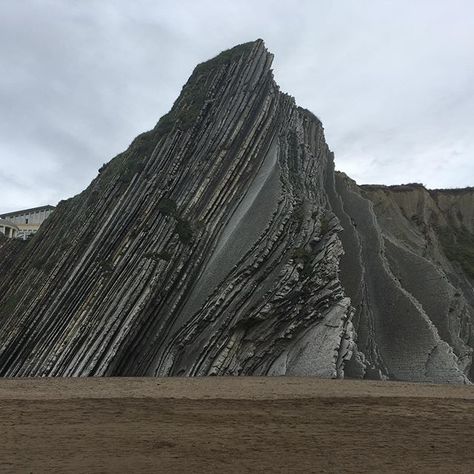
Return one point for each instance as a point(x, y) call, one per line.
point(413, 305)
point(208, 247)
point(222, 242)
point(429, 246)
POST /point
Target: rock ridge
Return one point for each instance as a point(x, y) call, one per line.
point(222, 242)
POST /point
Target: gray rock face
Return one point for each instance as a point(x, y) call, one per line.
point(403, 319)
point(222, 242)
point(208, 247)
point(429, 250)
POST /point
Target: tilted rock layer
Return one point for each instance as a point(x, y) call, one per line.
point(222, 242)
point(406, 269)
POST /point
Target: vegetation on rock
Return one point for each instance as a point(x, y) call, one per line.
point(458, 245)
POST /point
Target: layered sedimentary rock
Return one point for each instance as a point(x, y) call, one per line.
point(206, 248)
point(428, 247)
point(222, 242)
point(413, 304)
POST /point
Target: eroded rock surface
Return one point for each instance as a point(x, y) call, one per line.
point(396, 273)
point(222, 242)
point(208, 247)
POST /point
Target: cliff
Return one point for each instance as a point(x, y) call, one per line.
point(222, 242)
point(413, 297)
point(206, 248)
point(429, 247)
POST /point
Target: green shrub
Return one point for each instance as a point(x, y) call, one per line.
point(106, 266)
point(156, 256)
point(184, 230)
point(458, 245)
point(301, 255)
point(10, 304)
point(298, 213)
point(324, 225)
point(167, 207)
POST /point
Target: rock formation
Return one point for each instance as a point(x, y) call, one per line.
point(413, 296)
point(222, 242)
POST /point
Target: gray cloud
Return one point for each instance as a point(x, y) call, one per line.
point(392, 81)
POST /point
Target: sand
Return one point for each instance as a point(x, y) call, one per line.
point(275, 424)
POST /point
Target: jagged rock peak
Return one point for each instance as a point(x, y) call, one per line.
point(194, 251)
point(222, 242)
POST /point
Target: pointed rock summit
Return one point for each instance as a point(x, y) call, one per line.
point(222, 242)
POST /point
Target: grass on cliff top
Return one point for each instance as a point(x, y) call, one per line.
point(226, 57)
point(398, 188)
point(194, 93)
point(182, 116)
point(458, 246)
point(455, 191)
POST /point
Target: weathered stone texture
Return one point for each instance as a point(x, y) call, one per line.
point(208, 247)
point(222, 242)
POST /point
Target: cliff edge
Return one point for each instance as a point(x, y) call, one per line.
point(222, 242)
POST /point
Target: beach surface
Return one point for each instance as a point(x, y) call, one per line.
point(234, 424)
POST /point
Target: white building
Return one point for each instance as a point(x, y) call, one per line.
point(8, 229)
point(22, 224)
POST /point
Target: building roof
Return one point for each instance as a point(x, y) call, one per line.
point(26, 211)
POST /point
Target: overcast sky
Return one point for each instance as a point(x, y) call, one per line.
point(392, 81)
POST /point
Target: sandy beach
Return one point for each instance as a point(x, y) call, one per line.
point(274, 424)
